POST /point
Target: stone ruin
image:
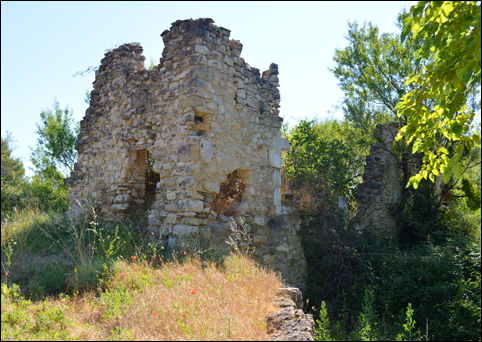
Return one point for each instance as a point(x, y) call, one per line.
point(200, 117)
point(381, 189)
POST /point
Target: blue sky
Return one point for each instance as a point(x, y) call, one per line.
point(44, 43)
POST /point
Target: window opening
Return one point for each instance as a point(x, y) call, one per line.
point(230, 192)
point(151, 180)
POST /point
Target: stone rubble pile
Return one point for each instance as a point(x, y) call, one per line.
point(290, 323)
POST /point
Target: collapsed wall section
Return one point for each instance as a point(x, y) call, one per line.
point(381, 189)
point(202, 114)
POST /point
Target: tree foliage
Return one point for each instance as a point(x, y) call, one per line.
point(55, 152)
point(371, 71)
point(12, 168)
point(351, 135)
point(439, 103)
point(315, 160)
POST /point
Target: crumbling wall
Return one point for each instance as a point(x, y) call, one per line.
point(202, 113)
point(381, 189)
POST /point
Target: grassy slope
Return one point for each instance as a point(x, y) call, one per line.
point(141, 301)
point(96, 282)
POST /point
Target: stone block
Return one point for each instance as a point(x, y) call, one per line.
point(268, 259)
point(258, 239)
point(277, 197)
point(184, 153)
point(260, 221)
point(283, 248)
point(187, 183)
point(192, 205)
point(229, 61)
point(212, 187)
point(201, 49)
point(171, 207)
point(183, 230)
point(281, 143)
point(206, 150)
point(191, 221)
point(275, 157)
point(193, 101)
point(241, 207)
point(276, 177)
point(170, 219)
point(203, 72)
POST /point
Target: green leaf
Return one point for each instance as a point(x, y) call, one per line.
point(458, 170)
point(447, 175)
point(467, 77)
point(416, 146)
point(476, 138)
point(443, 150)
point(460, 73)
point(457, 129)
point(451, 163)
point(411, 79)
point(415, 180)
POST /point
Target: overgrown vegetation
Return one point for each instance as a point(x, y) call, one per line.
point(376, 288)
point(423, 284)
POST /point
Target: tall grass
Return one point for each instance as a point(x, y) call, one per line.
point(179, 300)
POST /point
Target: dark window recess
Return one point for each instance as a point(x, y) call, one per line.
point(230, 191)
point(152, 178)
point(198, 119)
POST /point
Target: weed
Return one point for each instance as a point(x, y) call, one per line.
point(408, 327)
point(121, 335)
point(323, 329)
point(367, 321)
point(8, 250)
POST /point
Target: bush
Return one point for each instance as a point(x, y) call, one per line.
point(44, 195)
point(324, 164)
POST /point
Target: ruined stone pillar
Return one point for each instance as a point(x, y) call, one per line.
point(381, 189)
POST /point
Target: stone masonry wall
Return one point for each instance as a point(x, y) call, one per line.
point(381, 188)
point(202, 113)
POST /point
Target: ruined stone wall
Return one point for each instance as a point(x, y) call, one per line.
point(381, 189)
point(202, 113)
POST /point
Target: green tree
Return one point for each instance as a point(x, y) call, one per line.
point(351, 135)
point(315, 160)
point(372, 70)
point(55, 152)
point(12, 169)
point(451, 33)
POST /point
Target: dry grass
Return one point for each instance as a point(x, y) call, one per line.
point(178, 301)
